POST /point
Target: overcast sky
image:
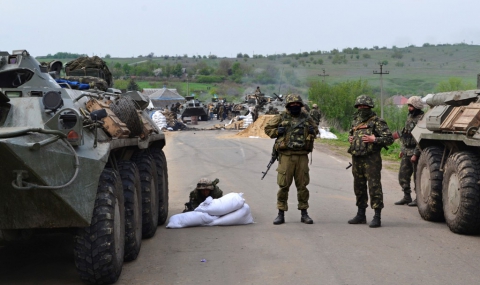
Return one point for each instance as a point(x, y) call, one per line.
point(124, 28)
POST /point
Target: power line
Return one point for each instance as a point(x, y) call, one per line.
point(381, 87)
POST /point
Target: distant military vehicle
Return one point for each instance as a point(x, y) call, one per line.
point(90, 161)
point(193, 107)
point(448, 172)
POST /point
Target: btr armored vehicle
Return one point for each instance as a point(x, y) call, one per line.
point(448, 171)
point(193, 107)
point(80, 160)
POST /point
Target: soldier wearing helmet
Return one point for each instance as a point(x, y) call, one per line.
point(368, 135)
point(205, 187)
point(271, 111)
point(410, 151)
point(315, 114)
point(295, 132)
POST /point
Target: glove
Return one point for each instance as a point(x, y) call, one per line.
point(281, 130)
point(311, 130)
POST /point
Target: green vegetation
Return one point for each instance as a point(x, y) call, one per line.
point(412, 70)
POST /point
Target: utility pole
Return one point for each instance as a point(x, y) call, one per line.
point(381, 87)
point(323, 80)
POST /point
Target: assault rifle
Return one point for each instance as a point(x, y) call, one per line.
point(272, 160)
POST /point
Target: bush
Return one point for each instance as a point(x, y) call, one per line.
point(210, 79)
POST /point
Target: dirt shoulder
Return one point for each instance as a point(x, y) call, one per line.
point(341, 152)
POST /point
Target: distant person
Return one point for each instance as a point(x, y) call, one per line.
point(221, 111)
point(315, 114)
point(210, 111)
point(368, 135)
point(410, 152)
point(205, 188)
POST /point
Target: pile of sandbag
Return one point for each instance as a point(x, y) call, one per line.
point(159, 119)
point(326, 134)
point(247, 120)
point(228, 210)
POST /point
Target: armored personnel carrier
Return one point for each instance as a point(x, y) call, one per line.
point(448, 171)
point(90, 162)
point(193, 107)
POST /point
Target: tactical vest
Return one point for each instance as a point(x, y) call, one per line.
point(358, 147)
point(408, 141)
point(296, 135)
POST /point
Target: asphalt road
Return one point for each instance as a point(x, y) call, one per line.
point(405, 250)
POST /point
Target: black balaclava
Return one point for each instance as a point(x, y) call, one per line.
point(294, 110)
point(364, 114)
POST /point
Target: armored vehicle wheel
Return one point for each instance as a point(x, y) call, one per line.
point(99, 248)
point(149, 182)
point(429, 184)
point(204, 118)
point(132, 192)
point(461, 193)
point(162, 172)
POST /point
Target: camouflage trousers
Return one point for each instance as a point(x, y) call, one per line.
point(367, 169)
point(405, 173)
point(292, 167)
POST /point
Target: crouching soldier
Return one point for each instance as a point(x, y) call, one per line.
point(205, 187)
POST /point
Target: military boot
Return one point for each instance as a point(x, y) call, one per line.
point(376, 222)
point(280, 219)
point(413, 203)
point(360, 218)
point(305, 218)
point(405, 200)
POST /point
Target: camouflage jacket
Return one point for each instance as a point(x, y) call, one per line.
point(196, 197)
point(373, 126)
point(409, 144)
point(296, 139)
point(316, 115)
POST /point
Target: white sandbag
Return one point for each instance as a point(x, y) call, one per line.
point(324, 134)
point(221, 206)
point(242, 216)
point(190, 219)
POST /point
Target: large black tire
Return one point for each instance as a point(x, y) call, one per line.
point(162, 173)
point(149, 181)
point(132, 192)
point(429, 184)
point(461, 193)
point(99, 248)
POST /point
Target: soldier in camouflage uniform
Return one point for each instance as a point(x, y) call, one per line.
point(205, 187)
point(410, 151)
point(221, 110)
point(270, 110)
point(295, 132)
point(315, 114)
point(368, 135)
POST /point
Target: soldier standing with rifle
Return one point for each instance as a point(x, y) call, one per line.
point(410, 151)
point(295, 132)
point(368, 135)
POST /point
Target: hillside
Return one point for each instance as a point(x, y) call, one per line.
point(412, 70)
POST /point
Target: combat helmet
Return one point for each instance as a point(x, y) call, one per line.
point(416, 102)
point(314, 106)
point(293, 98)
point(204, 183)
point(364, 100)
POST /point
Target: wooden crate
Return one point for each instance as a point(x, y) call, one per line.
point(112, 123)
point(470, 117)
